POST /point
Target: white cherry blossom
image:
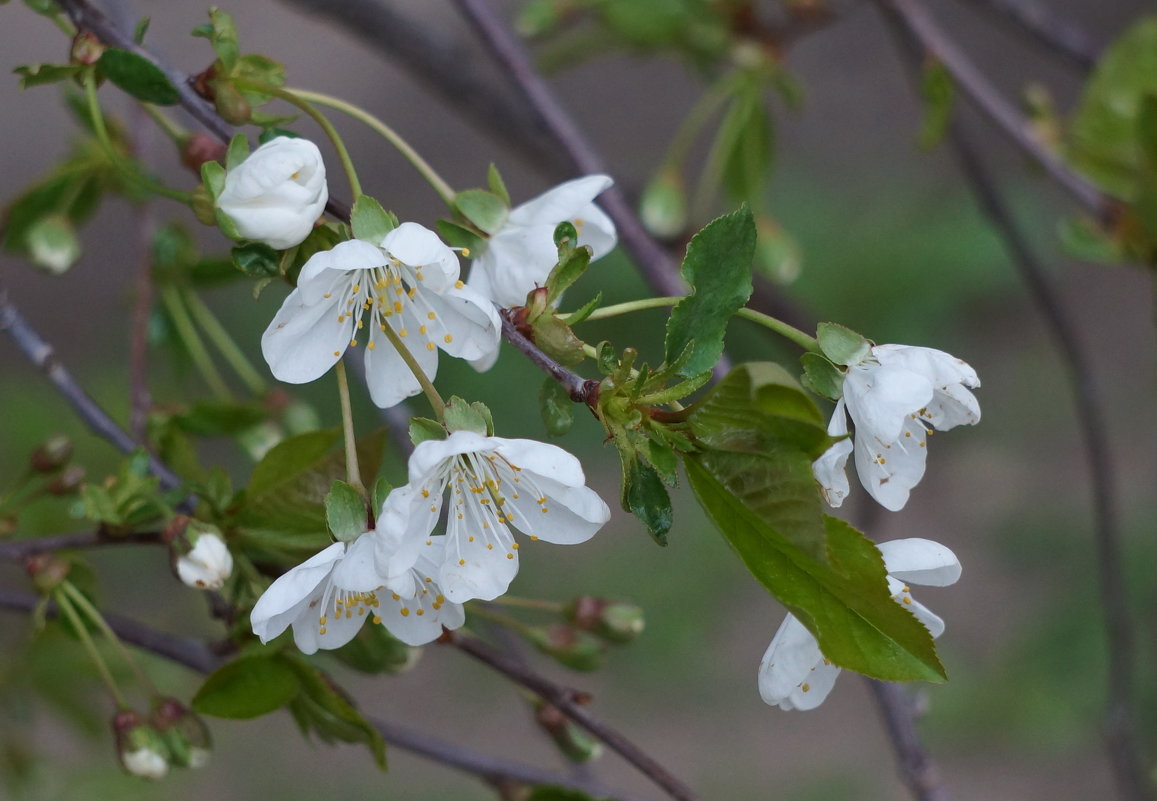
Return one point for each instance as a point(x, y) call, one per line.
point(494, 484)
point(896, 396)
point(207, 565)
point(794, 673)
point(520, 255)
point(276, 195)
point(346, 297)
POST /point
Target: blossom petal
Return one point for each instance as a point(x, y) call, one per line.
point(404, 526)
point(466, 325)
point(952, 406)
point(941, 368)
point(302, 342)
point(542, 459)
point(290, 592)
point(920, 561)
point(517, 260)
point(339, 629)
point(567, 515)
point(388, 377)
point(889, 471)
point(357, 570)
point(830, 469)
point(343, 257)
point(473, 571)
point(561, 203)
point(420, 248)
point(792, 660)
point(429, 455)
point(880, 398)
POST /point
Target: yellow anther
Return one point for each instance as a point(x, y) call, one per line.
point(425, 493)
point(461, 562)
point(439, 599)
point(509, 556)
point(430, 346)
point(907, 600)
point(337, 353)
point(403, 332)
point(448, 338)
point(421, 329)
point(405, 612)
point(533, 538)
point(458, 285)
point(398, 306)
point(377, 619)
point(470, 538)
point(490, 546)
point(545, 510)
point(341, 318)
point(515, 546)
point(321, 630)
point(465, 253)
point(328, 295)
point(805, 686)
point(371, 345)
point(431, 316)
point(421, 612)
point(353, 343)
point(357, 288)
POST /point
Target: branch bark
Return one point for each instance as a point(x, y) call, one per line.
point(916, 768)
point(1046, 27)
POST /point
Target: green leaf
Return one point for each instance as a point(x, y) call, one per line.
point(374, 650)
point(743, 144)
point(378, 494)
point(484, 209)
point(645, 496)
point(1103, 136)
point(237, 151)
point(822, 377)
point(845, 604)
point(222, 35)
point(213, 176)
point(584, 311)
point(331, 713)
point(756, 407)
point(842, 345)
point(557, 410)
point(718, 268)
point(462, 416)
point(1083, 238)
point(422, 429)
point(496, 184)
point(256, 260)
point(571, 265)
point(248, 688)
point(370, 222)
point(43, 74)
point(138, 76)
point(939, 93)
point(141, 30)
point(218, 418)
point(345, 512)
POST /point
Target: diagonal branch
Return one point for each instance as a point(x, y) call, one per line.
point(1046, 27)
point(918, 23)
point(573, 705)
point(916, 768)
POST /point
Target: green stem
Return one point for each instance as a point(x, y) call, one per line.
point(192, 340)
point(65, 607)
point(415, 368)
point(444, 190)
point(224, 342)
point(529, 603)
point(767, 321)
point(701, 113)
point(353, 471)
point(129, 170)
point(93, 614)
point(298, 99)
point(171, 129)
point(478, 610)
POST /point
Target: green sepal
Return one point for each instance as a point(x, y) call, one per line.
point(842, 345)
point(32, 75)
point(557, 340)
point(138, 77)
point(459, 236)
point(378, 494)
point(557, 410)
point(462, 416)
point(572, 263)
point(345, 512)
point(822, 377)
point(485, 210)
point(256, 260)
point(422, 429)
point(584, 311)
point(371, 222)
point(237, 151)
point(496, 184)
point(374, 651)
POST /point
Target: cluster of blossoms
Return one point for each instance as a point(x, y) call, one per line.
point(403, 292)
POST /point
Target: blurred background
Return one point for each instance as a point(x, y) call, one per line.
point(891, 243)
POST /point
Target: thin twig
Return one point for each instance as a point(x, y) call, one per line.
point(41, 354)
point(198, 657)
point(918, 22)
point(19, 550)
point(1046, 27)
point(578, 388)
point(916, 767)
point(1120, 724)
point(572, 704)
point(139, 398)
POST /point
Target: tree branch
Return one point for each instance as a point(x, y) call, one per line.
point(580, 389)
point(41, 354)
point(916, 768)
point(572, 704)
point(19, 550)
point(914, 17)
point(1044, 26)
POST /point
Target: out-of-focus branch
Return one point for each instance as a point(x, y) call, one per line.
point(1132, 780)
point(573, 705)
point(41, 354)
point(918, 23)
point(19, 550)
point(1046, 27)
point(916, 768)
point(443, 67)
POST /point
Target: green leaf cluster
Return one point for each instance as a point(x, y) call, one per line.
point(130, 500)
point(229, 83)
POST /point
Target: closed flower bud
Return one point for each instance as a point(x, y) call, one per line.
point(68, 482)
point(276, 195)
point(86, 49)
point(574, 743)
point(52, 455)
point(52, 244)
point(573, 648)
point(198, 148)
point(208, 564)
point(614, 621)
point(185, 733)
point(47, 571)
point(141, 748)
point(663, 207)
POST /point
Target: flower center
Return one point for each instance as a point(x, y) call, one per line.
point(341, 603)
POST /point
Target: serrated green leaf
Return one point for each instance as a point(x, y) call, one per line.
point(138, 76)
point(222, 35)
point(237, 151)
point(339, 717)
point(718, 268)
point(496, 184)
point(662, 457)
point(1103, 136)
point(32, 75)
point(247, 688)
point(484, 209)
point(841, 344)
point(370, 222)
point(345, 512)
point(822, 377)
point(462, 416)
point(557, 410)
point(569, 269)
point(584, 311)
point(845, 604)
point(645, 496)
point(422, 429)
point(938, 91)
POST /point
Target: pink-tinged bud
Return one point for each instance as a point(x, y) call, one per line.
point(198, 148)
point(86, 49)
point(67, 483)
point(47, 571)
point(52, 455)
point(572, 647)
point(185, 734)
point(574, 743)
point(614, 621)
point(140, 747)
